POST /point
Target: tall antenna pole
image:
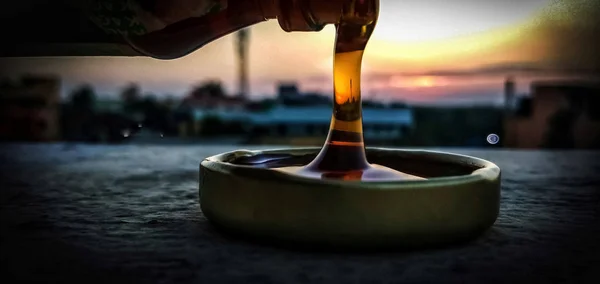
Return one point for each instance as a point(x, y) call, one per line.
point(509, 95)
point(242, 51)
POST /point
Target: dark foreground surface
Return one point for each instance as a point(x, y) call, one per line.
point(130, 214)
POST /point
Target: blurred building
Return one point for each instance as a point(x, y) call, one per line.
point(289, 95)
point(29, 109)
point(293, 117)
point(509, 95)
point(206, 99)
point(557, 114)
point(306, 125)
point(287, 92)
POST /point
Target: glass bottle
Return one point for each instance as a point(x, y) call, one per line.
point(213, 19)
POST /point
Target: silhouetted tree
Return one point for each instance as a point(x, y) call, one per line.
point(212, 89)
point(131, 98)
point(151, 110)
point(83, 99)
point(169, 102)
point(148, 103)
point(77, 116)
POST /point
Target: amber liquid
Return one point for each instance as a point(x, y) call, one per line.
point(343, 155)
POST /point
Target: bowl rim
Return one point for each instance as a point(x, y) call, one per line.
point(487, 171)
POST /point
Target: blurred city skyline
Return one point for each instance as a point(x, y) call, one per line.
point(421, 52)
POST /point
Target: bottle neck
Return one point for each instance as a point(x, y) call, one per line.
point(306, 15)
point(168, 29)
point(313, 15)
point(189, 34)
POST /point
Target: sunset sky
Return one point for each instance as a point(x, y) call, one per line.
point(421, 51)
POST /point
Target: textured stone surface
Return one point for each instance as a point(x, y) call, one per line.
point(111, 214)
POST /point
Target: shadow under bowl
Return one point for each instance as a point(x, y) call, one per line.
point(459, 200)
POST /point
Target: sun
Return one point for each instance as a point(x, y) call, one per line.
point(416, 82)
point(425, 82)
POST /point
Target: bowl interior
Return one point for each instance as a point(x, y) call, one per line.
point(428, 164)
